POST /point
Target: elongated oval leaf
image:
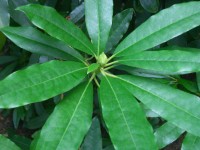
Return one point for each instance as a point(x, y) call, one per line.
point(178, 107)
point(55, 25)
point(165, 61)
point(78, 13)
point(191, 142)
point(6, 144)
point(124, 118)
point(4, 13)
point(158, 29)
point(70, 121)
point(35, 41)
point(119, 27)
point(166, 134)
point(93, 139)
point(98, 16)
point(40, 82)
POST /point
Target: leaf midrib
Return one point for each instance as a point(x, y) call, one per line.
point(63, 31)
point(35, 41)
point(121, 111)
point(143, 39)
point(43, 82)
point(160, 98)
point(69, 123)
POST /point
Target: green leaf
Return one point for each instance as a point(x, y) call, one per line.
point(69, 122)
point(177, 107)
point(7, 70)
point(198, 80)
point(4, 13)
point(119, 27)
point(17, 16)
point(6, 144)
point(191, 142)
point(166, 134)
point(93, 140)
point(55, 25)
point(151, 6)
point(124, 118)
point(157, 29)
point(78, 13)
point(41, 81)
point(93, 67)
point(21, 141)
point(18, 114)
point(98, 16)
point(165, 61)
point(37, 42)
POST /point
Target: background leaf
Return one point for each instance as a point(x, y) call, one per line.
point(93, 139)
point(151, 6)
point(119, 27)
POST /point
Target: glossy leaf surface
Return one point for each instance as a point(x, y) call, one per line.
point(157, 29)
point(166, 134)
point(58, 27)
point(124, 118)
point(37, 42)
point(191, 142)
point(70, 121)
point(178, 107)
point(119, 27)
point(165, 61)
point(6, 144)
point(98, 15)
point(41, 81)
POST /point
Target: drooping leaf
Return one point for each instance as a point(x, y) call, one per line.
point(18, 114)
point(198, 80)
point(2, 40)
point(119, 27)
point(78, 13)
point(124, 118)
point(165, 61)
point(93, 139)
point(6, 144)
point(70, 121)
point(151, 6)
point(35, 41)
point(177, 107)
point(157, 29)
point(4, 13)
point(17, 16)
point(41, 81)
point(191, 142)
point(98, 16)
point(58, 27)
point(166, 134)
